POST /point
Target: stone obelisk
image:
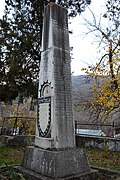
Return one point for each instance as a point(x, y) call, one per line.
point(55, 155)
point(55, 126)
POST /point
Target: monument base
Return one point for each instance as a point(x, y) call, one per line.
point(30, 175)
point(55, 164)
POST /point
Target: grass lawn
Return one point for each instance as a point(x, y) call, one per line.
point(97, 157)
point(103, 158)
point(11, 155)
point(100, 158)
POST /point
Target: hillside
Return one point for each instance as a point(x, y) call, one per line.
point(81, 93)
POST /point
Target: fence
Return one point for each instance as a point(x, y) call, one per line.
point(26, 125)
point(111, 130)
point(18, 125)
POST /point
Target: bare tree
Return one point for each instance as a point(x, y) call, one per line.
point(106, 97)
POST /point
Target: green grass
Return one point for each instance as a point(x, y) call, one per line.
point(103, 158)
point(11, 155)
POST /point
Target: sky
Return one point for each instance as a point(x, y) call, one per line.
point(85, 50)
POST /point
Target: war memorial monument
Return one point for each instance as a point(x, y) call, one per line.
point(54, 155)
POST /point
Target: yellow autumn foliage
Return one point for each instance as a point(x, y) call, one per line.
point(22, 113)
point(105, 94)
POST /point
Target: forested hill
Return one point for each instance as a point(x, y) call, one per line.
point(82, 84)
point(81, 95)
point(81, 92)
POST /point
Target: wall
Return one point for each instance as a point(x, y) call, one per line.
point(99, 142)
point(19, 140)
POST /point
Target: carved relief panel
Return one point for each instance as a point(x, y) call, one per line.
point(44, 110)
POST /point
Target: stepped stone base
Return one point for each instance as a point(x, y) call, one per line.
point(55, 164)
point(30, 175)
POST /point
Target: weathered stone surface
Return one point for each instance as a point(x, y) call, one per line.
point(30, 175)
point(19, 140)
point(56, 164)
point(57, 121)
point(57, 156)
point(44, 142)
point(98, 142)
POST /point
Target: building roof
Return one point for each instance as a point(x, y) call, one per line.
point(90, 132)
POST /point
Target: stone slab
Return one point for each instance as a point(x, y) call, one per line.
point(30, 175)
point(44, 142)
point(56, 163)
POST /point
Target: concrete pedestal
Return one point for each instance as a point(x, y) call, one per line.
point(55, 164)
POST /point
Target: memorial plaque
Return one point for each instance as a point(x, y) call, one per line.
point(44, 111)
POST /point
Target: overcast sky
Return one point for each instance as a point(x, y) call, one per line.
point(85, 51)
